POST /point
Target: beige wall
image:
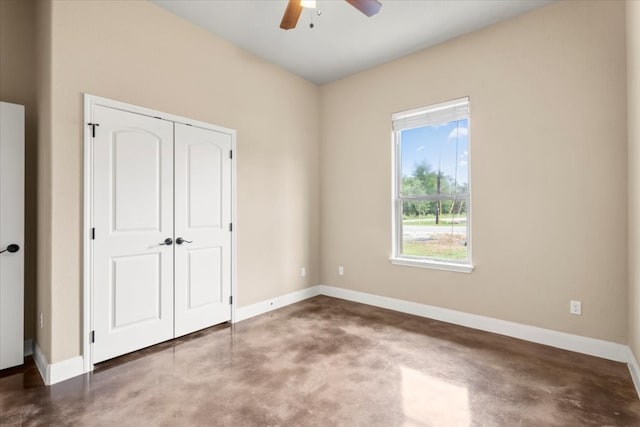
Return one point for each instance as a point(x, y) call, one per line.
point(548, 167)
point(633, 117)
point(44, 196)
point(137, 52)
point(548, 160)
point(17, 85)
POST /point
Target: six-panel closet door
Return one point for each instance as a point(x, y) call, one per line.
point(161, 216)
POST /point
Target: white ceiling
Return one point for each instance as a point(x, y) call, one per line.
point(343, 40)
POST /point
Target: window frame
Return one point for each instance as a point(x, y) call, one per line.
point(397, 258)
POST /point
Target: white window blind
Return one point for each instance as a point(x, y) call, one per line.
point(437, 114)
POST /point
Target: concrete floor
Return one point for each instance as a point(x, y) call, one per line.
point(325, 362)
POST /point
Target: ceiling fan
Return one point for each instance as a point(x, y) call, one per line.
point(294, 8)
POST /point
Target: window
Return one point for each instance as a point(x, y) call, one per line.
point(431, 190)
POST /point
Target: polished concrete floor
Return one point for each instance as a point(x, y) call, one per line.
point(326, 362)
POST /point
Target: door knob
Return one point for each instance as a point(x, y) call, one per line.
point(168, 241)
point(11, 248)
point(180, 241)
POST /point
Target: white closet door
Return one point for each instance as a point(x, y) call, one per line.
point(133, 215)
point(202, 219)
point(11, 232)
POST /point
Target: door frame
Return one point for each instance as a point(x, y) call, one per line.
point(91, 101)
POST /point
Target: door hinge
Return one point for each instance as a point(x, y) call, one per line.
point(230, 226)
point(230, 299)
point(93, 234)
point(93, 336)
point(93, 129)
point(231, 154)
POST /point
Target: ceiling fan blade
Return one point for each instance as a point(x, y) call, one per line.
point(368, 7)
point(291, 15)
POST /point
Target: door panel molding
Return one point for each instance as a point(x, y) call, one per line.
point(90, 103)
point(133, 274)
point(202, 191)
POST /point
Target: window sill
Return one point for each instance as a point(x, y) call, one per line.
point(435, 265)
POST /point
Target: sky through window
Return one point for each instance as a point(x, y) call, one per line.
point(441, 147)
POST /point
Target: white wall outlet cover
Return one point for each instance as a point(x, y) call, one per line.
point(303, 272)
point(341, 270)
point(575, 307)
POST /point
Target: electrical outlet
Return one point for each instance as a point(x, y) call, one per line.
point(41, 320)
point(303, 272)
point(341, 271)
point(575, 307)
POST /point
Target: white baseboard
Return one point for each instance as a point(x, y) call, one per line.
point(261, 307)
point(41, 363)
point(66, 369)
point(634, 369)
point(69, 368)
point(591, 346)
point(57, 372)
point(28, 348)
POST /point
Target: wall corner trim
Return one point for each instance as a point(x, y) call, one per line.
point(41, 363)
point(634, 369)
point(57, 372)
